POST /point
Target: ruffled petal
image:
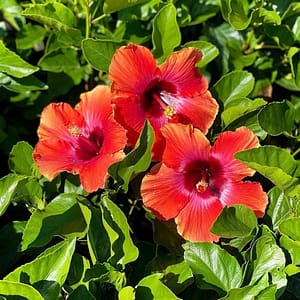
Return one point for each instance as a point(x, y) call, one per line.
point(197, 217)
point(132, 69)
point(179, 69)
point(200, 110)
point(247, 193)
point(184, 145)
point(60, 120)
point(95, 106)
point(55, 156)
point(227, 144)
point(94, 173)
point(164, 192)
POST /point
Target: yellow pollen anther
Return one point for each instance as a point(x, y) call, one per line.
point(74, 130)
point(169, 112)
point(201, 186)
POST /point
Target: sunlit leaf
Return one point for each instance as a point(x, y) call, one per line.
point(64, 216)
point(166, 34)
point(138, 160)
point(235, 221)
point(213, 266)
point(12, 64)
point(99, 52)
point(30, 36)
point(17, 290)
point(112, 5)
point(291, 228)
point(127, 293)
point(274, 163)
point(292, 246)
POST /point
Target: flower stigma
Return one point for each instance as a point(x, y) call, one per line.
point(74, 130)
point(169, 112)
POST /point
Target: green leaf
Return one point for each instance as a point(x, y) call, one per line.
point(30, 36)
point(11, 11)
point(80, 293)
point(294, 58)
point(20, 158)
point(266, 258)
point(48, 272)
point(281, 34)
point(235, 221)
point(126, 293)
point(12, 64)
point(123, 250)
point(233, 85)
point(112, 5)
point(14, 289)
point(248, 292)
point(263, 16)
point(64, 215)
point(166, 34)
point(238, 107)
point(236, 13)
point(291, 228)
point(9, 250)
point(21, 85)
point(137, 161)
point(99, 53)
point(213, 266)
point(151, 288)
point(8, 186)
point(209, 51)
point(277, 117)
point(293, 9)
point(279, 207)
point(292, 246)
point(276, 164)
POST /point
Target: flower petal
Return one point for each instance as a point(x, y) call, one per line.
point(227, 144)
point(55, 156)
point(58, 119)
point(164, 192)
point(93, 174)
point(184, 145)
point(201, 110)
point(95, 105)
point(132, 69)
point(197, 217)
point(179, 69)
point(247, 193)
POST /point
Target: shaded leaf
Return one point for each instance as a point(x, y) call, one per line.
point(112, 5)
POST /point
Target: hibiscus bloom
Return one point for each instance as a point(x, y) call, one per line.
point(196, 180)
point(85, 140)
point(174, 92)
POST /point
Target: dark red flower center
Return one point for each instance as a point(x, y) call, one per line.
point(86, 145)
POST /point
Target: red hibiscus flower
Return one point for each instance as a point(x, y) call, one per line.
point(85, 140)
point(174, 92)
point(195, 180)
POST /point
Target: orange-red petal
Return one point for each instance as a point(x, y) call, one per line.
point(197, 217)
point(94, 173)
point(184, 145)
point(132, 68)
point(180, 70)
point(247, 193)
point(164, 192)
point(227, 144)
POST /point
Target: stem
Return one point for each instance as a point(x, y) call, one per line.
point(99, 18)
point(296, 152)
point(87, 20)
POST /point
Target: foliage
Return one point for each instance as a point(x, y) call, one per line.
point(57, 241)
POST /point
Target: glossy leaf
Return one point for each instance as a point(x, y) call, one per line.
point(127, 293)
point(291, 228)
point(279, 207)
point(151, 288)
point(213, 266)
point(166, 34)
point(8, 186)
point(274, 163)
point(295, 65)
point(233, 85)
point(112, 5)
point(277, 117)
point(30, 36)
point(20, 158)
point(137, 161)
point(122, 250)
point(262, 15)
point(292, 246)
point(235, 221)
point(12, 64)
point(208, 50)
point(64, 216)
point(17, 290)
point(99, 52)
point(281, 34)
point(52, 265)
